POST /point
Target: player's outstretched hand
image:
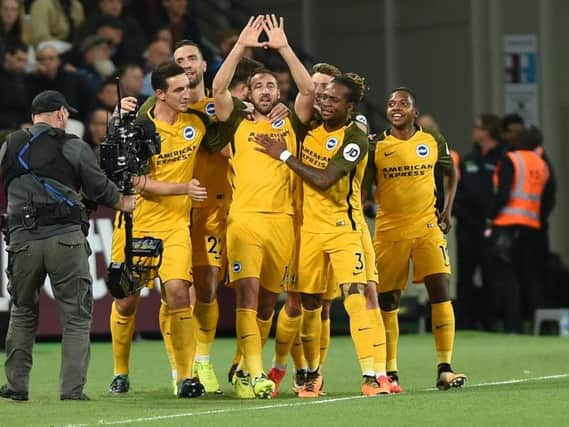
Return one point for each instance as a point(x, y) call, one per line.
point(249, 111)
point(270, 146)
point(275, 32)
point(249, 37)
point(196, 191)
point(279, 112)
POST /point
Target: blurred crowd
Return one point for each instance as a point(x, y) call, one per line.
point(79, 47)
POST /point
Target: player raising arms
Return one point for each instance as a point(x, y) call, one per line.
point(260, 234)
point(332, 167)
point(407, 226)
point(208, 217)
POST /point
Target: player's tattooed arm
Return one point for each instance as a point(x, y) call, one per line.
point(321, 179)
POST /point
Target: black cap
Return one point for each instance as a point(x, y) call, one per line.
point(50, 100)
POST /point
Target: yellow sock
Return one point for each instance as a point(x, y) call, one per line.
point(249, 338)
point(122, 329)
point(206, 316)
point(310, 330)
point(297, 352)
point(182, 333)
point(361, 331)
point(287, 328)
point(265, 329)
point(324, 341)
point(379, 351)
point(391, 323)
point(164, 321)
point(442, 324)
point(237, 357)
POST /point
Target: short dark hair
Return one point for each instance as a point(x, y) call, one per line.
point(188, 42)
point(510, 119)
point(163, 72)
point(528, 139)
point(261, 71)
point(245, 69)
point(111, 80)
point(408, 91)
point(492, 124)
point(16, 46)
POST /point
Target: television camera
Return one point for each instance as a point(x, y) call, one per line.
point(125, 153)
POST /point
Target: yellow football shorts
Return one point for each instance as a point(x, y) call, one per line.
point(333, 291)
point(207, 231)
point(340, 254)
point(428, 254)
point(369, 255)
point(176, 258)
point(260, 245)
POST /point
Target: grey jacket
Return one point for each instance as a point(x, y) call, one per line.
point(94, 184)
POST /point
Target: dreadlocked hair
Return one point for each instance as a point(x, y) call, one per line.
point(355, 84)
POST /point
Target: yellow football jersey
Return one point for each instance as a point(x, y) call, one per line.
point(211, 168)
point(405, 176)
point(175, 163)
point(336, 208)
point(260, 183)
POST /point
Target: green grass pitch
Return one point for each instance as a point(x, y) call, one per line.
point(513, 381)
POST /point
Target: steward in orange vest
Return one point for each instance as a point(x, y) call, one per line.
point(520, 181)
point(523, 198)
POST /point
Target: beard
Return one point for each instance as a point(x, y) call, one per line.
point(194, 83)
point(264, 109)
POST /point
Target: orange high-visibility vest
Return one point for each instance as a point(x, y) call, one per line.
point(530, 175)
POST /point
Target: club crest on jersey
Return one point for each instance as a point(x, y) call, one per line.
point(278, 124)
point(189, 133)
point(236, 267)
point(361, 119)
point(422, 150)
point(351, 152)
point(210, 109)
point(331, 143)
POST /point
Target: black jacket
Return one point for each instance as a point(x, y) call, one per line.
point(475, 192)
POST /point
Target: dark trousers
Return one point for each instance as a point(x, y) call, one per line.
point(515, 275)
point(471, 306)
point(65, 259)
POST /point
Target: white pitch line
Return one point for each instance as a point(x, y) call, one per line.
point(294, 404)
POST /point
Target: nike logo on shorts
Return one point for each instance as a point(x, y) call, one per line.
point(387, 154)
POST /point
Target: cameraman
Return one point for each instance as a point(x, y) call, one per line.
point(45, 170)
